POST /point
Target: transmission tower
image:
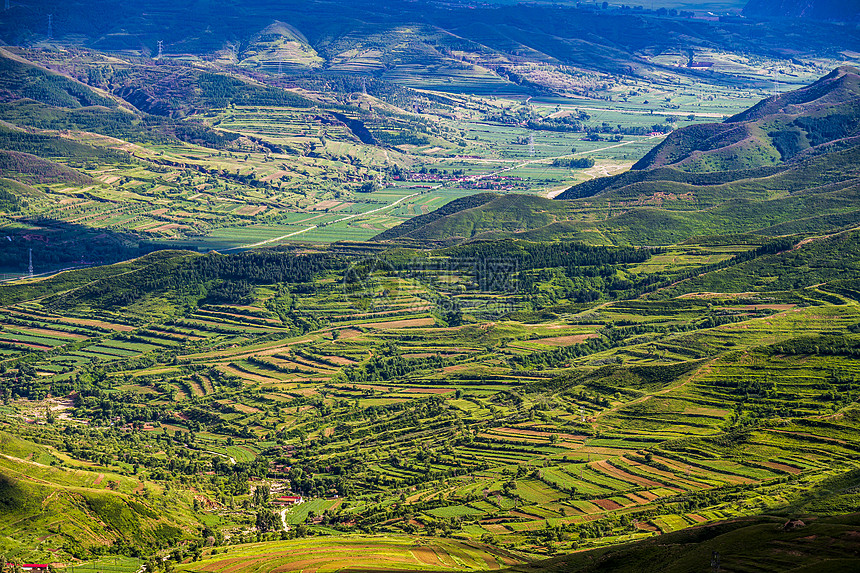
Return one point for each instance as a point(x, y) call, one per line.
point(30, 267)
point(776, 81)
point(50, 26)
point(160, 50)
point(364, 86)
point(531, 145)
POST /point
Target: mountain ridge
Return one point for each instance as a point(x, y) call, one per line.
point(770, 132)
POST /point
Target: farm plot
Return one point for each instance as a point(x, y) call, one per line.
point(299, 513)
point(330, 554)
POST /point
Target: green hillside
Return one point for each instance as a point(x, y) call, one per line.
point(773, 131)
point(50, 503)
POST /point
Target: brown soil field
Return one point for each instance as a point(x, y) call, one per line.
point(605, 467)
point(246, 375)
point(338, 360)
point(783, 467)
point(251, 210)
point(347, 333)
point(26, 344)
point(426, 555)
point(53, 333)
point(401, 323)
point(522, 432)
point(167, 227)
point(563, 340)
point(606, 504)
point(496, 528)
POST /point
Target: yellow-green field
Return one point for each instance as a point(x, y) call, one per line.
point(356, 553)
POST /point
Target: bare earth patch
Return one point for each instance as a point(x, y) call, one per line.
point(402, 323)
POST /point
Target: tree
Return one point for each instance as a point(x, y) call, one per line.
point(369, 187)
point(266, 521)
point(261, 495)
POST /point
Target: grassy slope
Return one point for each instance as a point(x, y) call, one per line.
point(47, 506)
point(69, 281)
point(745, 545)
point(769, 132)
point(810, 264)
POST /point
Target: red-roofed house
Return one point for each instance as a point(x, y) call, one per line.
point(288, 500)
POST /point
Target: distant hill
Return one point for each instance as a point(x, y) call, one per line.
point(789, 164)
point(363, 36)
point(771, 132)
point(462, 219)
point(839, 10)
point(280, 46)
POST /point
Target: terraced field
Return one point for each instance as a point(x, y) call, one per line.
point(358, 553)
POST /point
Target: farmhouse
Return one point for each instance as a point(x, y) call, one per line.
point(34, 568)
point(288, 500)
